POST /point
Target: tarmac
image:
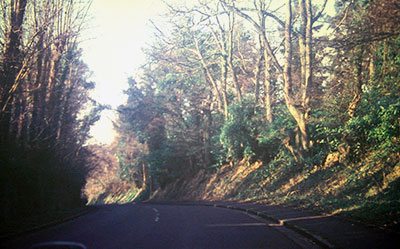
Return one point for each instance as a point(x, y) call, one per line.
point(328, 231)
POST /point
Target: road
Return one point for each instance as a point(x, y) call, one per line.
point(167, 226)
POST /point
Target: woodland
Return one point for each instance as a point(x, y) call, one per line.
point(44, 88)
point(276, 102)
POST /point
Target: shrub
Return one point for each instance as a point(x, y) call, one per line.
point(377, 127)
point(239, 133)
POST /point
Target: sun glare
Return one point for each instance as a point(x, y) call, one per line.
point(119, 29)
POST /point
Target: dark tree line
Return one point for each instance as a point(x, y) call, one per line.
point(44, 87)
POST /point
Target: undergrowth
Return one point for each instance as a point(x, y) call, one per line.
point(368, 190)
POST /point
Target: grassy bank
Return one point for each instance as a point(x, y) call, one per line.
point(368, 191)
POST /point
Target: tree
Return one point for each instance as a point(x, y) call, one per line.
point(298, 106)
point(297, 96)
point(44, 89)
point(11, 70)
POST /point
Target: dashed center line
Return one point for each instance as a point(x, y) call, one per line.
point(157, 215)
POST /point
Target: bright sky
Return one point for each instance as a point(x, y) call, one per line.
point(119, 29)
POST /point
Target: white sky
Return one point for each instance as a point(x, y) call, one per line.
point(119, 29)
point(112, 49)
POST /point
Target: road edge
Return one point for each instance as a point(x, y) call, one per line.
point(322, 242)
point(317, 239)
point(48, 225)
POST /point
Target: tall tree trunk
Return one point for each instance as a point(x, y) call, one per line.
point(302, 42)
point(221, 97)
point(309, 58)
point(224, 80)
point(298, 107)
point(268, 54)
point(267, 66)
point(37, 85)
point(257, 73)
point(230, 56)
point(56, 52)
point(224, 64)
point(353, 106)
point(267, 88)
point(287, 89)
point(12, 64)
point(207, 138)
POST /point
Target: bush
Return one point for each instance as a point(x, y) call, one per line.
point(271, 135)
point(239, 133)
point(377, 127)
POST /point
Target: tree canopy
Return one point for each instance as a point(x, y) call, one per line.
point(236, 80)
point(45, 108)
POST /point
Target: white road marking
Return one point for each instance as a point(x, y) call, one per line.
point(238, 225)
point(157, 215)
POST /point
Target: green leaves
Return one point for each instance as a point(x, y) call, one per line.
point(377, 125)
point(238, 134)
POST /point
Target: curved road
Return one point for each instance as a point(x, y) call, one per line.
point(167, 226)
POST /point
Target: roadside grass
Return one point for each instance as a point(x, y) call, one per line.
point(120, 197)
point(367, 190)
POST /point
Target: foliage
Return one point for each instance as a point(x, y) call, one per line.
point(273, 134)
point(239, 133)
point(214, 102)
point(377, 129)
point(45, 109)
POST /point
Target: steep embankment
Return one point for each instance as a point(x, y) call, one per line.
point(368, 190)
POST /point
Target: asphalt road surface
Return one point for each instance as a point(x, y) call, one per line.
point(167, 226)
